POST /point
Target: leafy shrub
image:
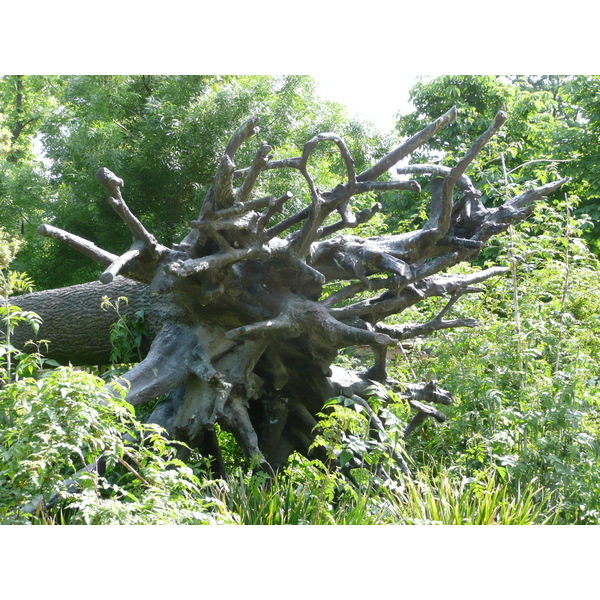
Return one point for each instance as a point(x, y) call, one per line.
point(53, 429)
point(525, 383)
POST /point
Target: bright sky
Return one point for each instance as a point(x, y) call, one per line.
point(377, 99)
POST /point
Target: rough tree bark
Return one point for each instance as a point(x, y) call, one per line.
point(243, 334)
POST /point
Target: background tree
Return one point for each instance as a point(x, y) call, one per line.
point(25, 102)
point(553, 128)
point(163, 134)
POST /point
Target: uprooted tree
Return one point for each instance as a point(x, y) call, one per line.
point(243, 334)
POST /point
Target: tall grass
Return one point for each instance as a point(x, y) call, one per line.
point(306, 496)
point(485, 501)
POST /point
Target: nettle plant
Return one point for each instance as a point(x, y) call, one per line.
point(126, 333)
point(71, 454)
point(66, 457)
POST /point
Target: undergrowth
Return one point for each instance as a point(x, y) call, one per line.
point(520, 445)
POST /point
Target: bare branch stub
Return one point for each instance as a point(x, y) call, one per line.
point(80, 244)
point(254, 353)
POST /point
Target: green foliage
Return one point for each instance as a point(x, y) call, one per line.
point(9, 246)
point(485, 500)
point(126, 333)
point(25, 190)
point(306, 493)
point(5, 137)
point(521, 441)
point(55, 427)
point(526, 401)
point(57, 424)
point(552, 129)
point(302, 495)
point(14, 362)
point(345, 435)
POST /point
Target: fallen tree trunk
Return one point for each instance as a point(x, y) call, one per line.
point(76, 326)
point(243, 332)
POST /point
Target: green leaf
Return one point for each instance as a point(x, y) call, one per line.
point(345, 456)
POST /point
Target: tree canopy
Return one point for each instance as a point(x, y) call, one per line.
point(554, 128)
point(163, 134)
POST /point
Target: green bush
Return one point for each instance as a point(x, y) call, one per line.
point(525, 383)
point(53, 428)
